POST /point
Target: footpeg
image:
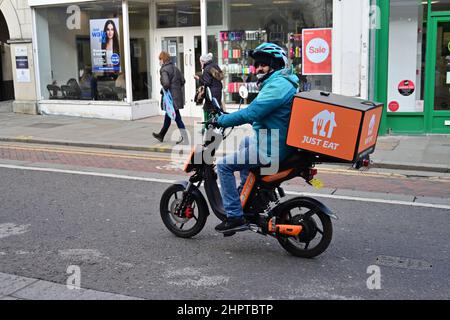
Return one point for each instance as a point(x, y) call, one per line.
point(244, 227)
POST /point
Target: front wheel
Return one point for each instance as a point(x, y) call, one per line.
point(317, 229)
point(184, 215)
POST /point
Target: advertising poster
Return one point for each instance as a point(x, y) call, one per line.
point(317, 51)
point(105, 45)
point(22, 65)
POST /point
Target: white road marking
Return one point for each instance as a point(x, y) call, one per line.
point(307, 194)
point(194, 277)
point(403, 203)
point(11, 229)
point(87, 173)
point(85, 255)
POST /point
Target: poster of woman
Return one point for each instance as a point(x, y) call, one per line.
point(105, 45)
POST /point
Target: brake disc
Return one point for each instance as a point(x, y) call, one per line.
point(174, 208)
point(309, 230)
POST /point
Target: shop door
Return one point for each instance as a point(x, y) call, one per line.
point(184, 47)
point(438, 102)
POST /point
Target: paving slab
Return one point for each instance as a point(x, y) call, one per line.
point(433, 200)
point(44, 290)
point(11, 283)
point(8, 298)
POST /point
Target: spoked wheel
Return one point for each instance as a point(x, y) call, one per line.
point(317, 229)
point(185, 219)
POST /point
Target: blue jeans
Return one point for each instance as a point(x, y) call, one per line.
point(243, 160)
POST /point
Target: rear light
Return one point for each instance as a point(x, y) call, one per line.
point(312, 172)
point(366, 162)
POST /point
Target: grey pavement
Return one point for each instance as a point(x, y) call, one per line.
point(420, 152)
point(6, 106)
point(14, 287)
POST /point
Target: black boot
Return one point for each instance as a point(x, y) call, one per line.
point(180, 140)
point(184, 138)
point(158, 136)
point(231, 225)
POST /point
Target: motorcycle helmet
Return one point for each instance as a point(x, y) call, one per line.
point(271, 55)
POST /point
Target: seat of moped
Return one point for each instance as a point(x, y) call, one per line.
point(296, 160)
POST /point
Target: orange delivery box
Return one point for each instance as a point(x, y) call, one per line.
point(340, 127)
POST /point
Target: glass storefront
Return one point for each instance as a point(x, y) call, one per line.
point(407, 56)
point(178, 14)
point(441, 5)
point(255, 21)
point(442, 78)
point(417, 66)
point(140, 50)
point(81, 56)
point(215, 12)
point(81, 45)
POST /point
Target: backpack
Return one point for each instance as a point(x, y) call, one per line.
point(199, 95)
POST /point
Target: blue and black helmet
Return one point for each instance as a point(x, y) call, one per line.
point(270, 54)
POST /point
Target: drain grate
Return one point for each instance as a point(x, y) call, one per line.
point(405, 263)
point(44, 125)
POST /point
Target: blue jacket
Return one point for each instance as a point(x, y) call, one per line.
point(270, 110)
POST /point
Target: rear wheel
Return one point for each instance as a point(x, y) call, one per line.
point(317, 229)
point(183, 217)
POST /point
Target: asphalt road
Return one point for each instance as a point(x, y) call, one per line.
point(111, 229)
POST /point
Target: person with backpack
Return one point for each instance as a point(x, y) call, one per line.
point(172, 80)
point(211, 77)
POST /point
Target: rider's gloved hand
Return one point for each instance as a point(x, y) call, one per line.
point(212, 122)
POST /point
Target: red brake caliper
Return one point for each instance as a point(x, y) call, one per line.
point(189, 212)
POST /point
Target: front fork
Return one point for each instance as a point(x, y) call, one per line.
point(184, 209)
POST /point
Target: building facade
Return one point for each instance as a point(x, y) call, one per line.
point(16, 32)
point(67, 70)
point(412, 66)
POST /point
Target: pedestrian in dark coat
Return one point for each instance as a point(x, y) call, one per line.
point(211, 77)
point(172, 80)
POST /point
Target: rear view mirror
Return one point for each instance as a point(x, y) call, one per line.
point(243, 92)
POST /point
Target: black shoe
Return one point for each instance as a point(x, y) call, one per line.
point(158, 137)
point(231, 225)
point(183, 141)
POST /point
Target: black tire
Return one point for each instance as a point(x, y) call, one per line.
point(293, 244)
point(167, 200)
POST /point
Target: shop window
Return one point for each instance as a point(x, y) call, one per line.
point(255, 21)
point(442, 74)
point(81, 53)
point(407, 48)
point(178, 14)
point(441, 5)
point(140, 49)
point(215, 12)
